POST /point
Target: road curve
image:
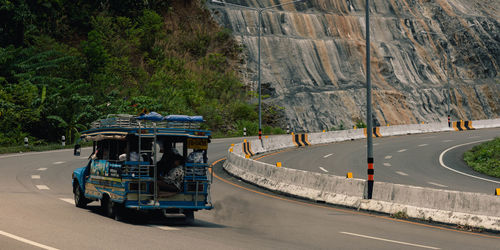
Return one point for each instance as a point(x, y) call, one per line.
point(410, 160)
point(36, 212)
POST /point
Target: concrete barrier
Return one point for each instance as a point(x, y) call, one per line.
point(494, 123)
point(453, 207)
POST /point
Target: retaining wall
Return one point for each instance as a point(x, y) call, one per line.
point(464, 208)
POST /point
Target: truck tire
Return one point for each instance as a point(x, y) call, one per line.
point(80, 200)
point(189, 217)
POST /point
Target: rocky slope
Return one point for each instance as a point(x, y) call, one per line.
point(313, 58)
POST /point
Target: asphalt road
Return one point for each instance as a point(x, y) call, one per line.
point(36, 211)
point(411, 160)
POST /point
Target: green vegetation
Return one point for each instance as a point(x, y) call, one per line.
point(400, 215)
point(66, 63)
point(485, 158)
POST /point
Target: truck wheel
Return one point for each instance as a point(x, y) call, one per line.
point(189, 217)
point(108, 207)
point(80, 200)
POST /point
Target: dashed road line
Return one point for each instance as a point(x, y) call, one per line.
point(437, 184)
point(447, 140)
point(423, 145)
point(387, 157)
point(35, 177)
point(166, 228)
point(402, 150)
point(476, 136)
point(42, 187)
point(387, 240)
point(328, 155)
point(376, 144)
point(401, 173)
point(387, 164)
point(24, 240)
point(58, 162)
point(42, 169)
point(68, 200)
point(324, 170)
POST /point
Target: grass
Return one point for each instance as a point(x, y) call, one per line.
point(35, 148)
point(485, 158)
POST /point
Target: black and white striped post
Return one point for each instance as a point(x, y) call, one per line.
point(26, 141)
point(63, 140)
point(244, 131)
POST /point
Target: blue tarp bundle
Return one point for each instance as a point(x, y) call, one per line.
point(153, 116)
point(183, 118)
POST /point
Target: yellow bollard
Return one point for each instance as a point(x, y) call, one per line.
point(231, 149)
point(387, 124)
point(497, 192)
point(354, 127)
point(244, 140)
point(247, 156)
point(232, 144)
point(423, 122)
point(349, 175)
point(324, 131)
point(267, 136)
point(278, 164)
point(292, 133)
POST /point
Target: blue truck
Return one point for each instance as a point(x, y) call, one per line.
point(132, 157)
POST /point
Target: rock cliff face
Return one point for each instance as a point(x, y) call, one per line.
point(313, 58)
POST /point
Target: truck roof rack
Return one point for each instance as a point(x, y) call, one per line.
point(147, 120)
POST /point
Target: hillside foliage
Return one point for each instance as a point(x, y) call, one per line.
point(66, 63)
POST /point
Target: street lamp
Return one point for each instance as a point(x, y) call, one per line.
point(369, 118)
point(259, 11)
point(448, 112)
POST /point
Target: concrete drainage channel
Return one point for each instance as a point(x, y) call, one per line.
point(451, 207)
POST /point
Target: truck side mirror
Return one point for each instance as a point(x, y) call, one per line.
point(77, 150)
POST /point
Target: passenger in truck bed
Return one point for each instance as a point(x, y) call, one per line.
point(170, 171)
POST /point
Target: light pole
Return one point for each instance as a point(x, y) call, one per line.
point(448, 112)
point(259, 11)
point(369, 118)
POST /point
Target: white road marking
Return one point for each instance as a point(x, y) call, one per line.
point(402, 150)
point(35, 177)
point(84, 157)
point(375, 144)
point(387, 240)
point(387, 157)
point(423, 145)
point(42, 187)
point(42, 169)
point(58, 162)
point(328, 155)
point(166, 228)
point(447, 140)
point(401, 173)
point(387, 164)
point(456, 146)
point(477, 136)
point(68, 200)
point(30, 242)
point(324, 170)
point(437, 184)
